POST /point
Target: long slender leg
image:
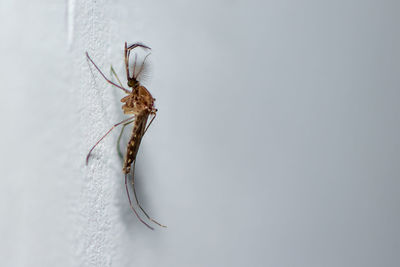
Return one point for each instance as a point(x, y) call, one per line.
point(119, 139)
point(115, 125)
point(130, 203)
point(134, 67)
point(132, 46)
point(137, 201)
point(127, 53)
point(148, 125)
point(115, 74)
point(125, 90)
point(126, 57)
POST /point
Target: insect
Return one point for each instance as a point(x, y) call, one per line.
point(138, 103)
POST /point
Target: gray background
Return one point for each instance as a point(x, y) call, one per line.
point(276, 141)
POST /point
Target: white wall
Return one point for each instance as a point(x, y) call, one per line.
point(276, 141)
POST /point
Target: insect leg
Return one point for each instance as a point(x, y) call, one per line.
point(125, 90)
point(130, 203)
point(132, 46)
point(119, 139)
point(127, 54)
point(148, 125)
point(134, 67)
point(137, 201)
point(115, 125)
point(115, 74)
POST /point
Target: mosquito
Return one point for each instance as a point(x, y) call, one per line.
point(139, 103)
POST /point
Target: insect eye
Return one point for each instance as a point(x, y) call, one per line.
point(132, 82)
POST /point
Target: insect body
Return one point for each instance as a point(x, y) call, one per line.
point(140, 104)
point(134, 142)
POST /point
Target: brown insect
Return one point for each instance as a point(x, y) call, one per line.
point(139, 103)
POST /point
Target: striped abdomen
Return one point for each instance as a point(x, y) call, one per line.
point(134, 143)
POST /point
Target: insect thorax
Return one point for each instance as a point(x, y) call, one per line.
point(139, 100)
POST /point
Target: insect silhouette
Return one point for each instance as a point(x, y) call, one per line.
point(140, 104)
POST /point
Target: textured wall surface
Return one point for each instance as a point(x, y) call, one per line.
point(276, 141)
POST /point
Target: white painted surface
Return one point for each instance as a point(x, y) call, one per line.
point(276, 142)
